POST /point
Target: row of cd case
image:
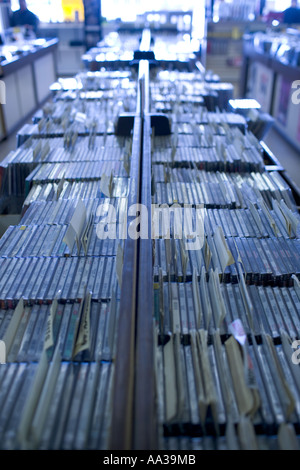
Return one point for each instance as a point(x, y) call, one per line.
point(75, 171)
point(64, 403)
point(60, 406)
point(217, 189)
point(126, 96)
point(83, 112)
point(44, 276)
point(242, 223)
point(81, 143)
point(217, 119)
point(210, 159)
point(208, 380)
point(269, 261)
point(48, 240)
point(184, 307)
point(214, 190)
point(16, 177)
point(286, 439)
point(37, 280)
point(53, 130)
point(59, 397)
point(203, 388)
point(60, 212)
point(264, 260)
point(204, 138)
point(40, 151)
point(81, 100)
point(30, 327)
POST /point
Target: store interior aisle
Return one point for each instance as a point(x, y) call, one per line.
point(7, 146)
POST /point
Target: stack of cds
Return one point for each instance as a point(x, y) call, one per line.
point(94, 151)
point(184, 307)
point(84, 116)
point(44, 150)
point(60, 212)
point(225, 251)
point(264, 261)
point(75, 191)
point(111, 80)
point(202, 117)
point(241, 223)
point(243, 392)
point(210, 159)
point(75, 171)
point(72, 411)
point(49, 242)
point(218, 190)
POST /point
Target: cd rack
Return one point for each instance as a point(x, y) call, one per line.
point(194, 335)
